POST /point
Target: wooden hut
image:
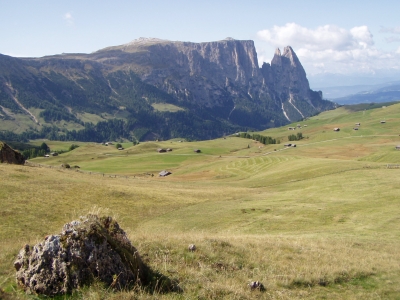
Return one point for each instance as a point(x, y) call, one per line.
point(164, 173)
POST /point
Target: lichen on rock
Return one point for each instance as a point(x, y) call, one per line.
point(92, 248)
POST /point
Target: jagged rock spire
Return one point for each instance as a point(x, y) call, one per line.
point(289, 53)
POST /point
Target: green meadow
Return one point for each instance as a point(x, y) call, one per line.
point(317, 221)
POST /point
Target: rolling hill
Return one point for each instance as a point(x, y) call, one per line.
point(319, 220)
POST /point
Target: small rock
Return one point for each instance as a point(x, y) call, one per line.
point(192, 247)
point(256, 285)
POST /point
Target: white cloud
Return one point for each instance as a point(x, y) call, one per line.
point(320, 39)
point(392, 39)
point(69, 19)
point(395, 30)
point(330, 48)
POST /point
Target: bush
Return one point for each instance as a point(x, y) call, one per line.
point(44, 147)
point(295, 137)
point(72, 147)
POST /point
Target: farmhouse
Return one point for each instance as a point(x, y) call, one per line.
point(336, 129)
point(164, 173)
point(383, 122)
point(358, 124)
point(160, 150)
point(197, 150)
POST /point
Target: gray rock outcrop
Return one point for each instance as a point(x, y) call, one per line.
point(215, 88)
point(88, 249)
point(10, 156)
point(224, 74)
point(289, 85)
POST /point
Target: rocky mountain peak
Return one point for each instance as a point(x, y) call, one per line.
point(291, 55)
point(145, 40)
point(218, 84)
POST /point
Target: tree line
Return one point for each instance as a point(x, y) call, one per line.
point(295, 137)
point(266, 140)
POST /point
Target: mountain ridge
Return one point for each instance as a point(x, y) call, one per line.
point(219, 87)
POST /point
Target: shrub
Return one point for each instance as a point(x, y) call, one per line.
point(72, 147)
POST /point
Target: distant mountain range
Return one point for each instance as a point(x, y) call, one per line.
point(385, 92)
point(152, 89)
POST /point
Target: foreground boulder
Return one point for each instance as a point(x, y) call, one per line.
point(88, 249)
point(9, 155)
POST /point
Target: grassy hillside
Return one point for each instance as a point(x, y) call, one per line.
point(319, 221)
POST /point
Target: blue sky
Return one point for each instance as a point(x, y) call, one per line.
point(344, 37)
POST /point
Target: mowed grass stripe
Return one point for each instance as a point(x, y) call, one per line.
point(316, 221)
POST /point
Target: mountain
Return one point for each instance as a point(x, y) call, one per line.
point(152, 88)
point(381, 93)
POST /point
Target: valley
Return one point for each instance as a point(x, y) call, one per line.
point(319, 220)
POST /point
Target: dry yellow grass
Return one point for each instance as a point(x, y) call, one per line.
point(296, 243)
point(319, 221)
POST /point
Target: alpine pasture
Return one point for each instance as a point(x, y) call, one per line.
point(317, 221)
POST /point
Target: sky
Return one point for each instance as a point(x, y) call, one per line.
point(342, 37)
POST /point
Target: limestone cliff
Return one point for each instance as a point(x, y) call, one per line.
point(225, 73)
point(288, 85)
point(214, 88)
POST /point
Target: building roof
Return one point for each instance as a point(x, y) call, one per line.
point(164, 173)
